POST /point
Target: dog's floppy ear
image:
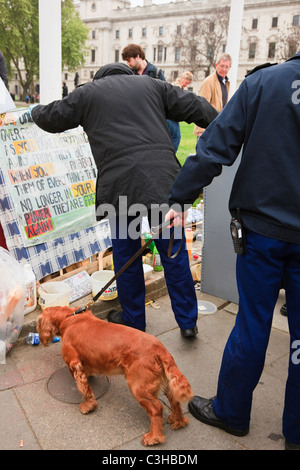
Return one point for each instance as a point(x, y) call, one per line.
point(46, 330)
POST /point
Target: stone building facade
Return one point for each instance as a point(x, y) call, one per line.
point(268, 26)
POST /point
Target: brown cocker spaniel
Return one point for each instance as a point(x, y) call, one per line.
point(92, 346)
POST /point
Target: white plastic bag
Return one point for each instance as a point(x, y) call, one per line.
point(12, 301)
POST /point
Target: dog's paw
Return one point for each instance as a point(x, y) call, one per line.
point(150, 440)
point(176, 422)
point(87, 407)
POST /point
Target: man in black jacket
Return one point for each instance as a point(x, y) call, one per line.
point(135, 57)
point(124, 117)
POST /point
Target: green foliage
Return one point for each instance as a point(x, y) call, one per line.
point(19, 38)
point(73, 37)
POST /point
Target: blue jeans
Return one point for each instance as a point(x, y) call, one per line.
point(259, 278)
point(131, 284)
point(175, 132)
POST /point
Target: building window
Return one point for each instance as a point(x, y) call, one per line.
point(92, 74)
point(117, 55)
point(292, 48)
point(161, 31)
point(179, 30)
point(130, 33)
point(66, 76)
point(160, 50)
point(165, 54)
point(254, 23)
point(296, 20)
point(93, 55)
point(117, 34)
point(210, 51)
point(274, 22)
point(177, 54)
point(252, 49)
point(154, 54)
point(271, 53)
point(93, 34)
point(144, 32)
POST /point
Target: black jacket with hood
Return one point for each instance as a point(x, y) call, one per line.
point(124, 117)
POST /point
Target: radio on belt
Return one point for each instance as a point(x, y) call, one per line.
point(237, 234)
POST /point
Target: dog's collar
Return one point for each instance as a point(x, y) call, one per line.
point(79, 310)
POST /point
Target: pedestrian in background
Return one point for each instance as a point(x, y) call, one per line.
point(215, 88)
point(183, 82)
point(135, 57)
point(64, 90)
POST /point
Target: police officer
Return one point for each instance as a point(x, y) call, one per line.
point(262, 119)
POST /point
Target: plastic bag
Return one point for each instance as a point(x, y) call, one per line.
point(12, 301)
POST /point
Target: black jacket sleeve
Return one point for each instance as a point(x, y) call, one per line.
point(60, 115)
point(182, 105)
point(219, 145)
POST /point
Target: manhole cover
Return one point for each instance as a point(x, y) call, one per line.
point(62, 386)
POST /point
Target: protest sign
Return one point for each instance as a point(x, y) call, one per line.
point(51, 178)
point(47, 194)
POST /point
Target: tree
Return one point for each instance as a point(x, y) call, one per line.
point(288, 42)
point(202, 39)
point(19, 39)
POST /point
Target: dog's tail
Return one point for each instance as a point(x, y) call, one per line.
point(177, 382)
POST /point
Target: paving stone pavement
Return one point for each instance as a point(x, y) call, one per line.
point(33, 419)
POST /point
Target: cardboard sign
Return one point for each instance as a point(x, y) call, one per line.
point(47, 195)
point(51, 178)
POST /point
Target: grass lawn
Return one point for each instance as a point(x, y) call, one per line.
point(187, 146)
point(187, 143)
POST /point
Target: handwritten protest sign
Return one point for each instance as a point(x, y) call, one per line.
point(52, 178)
point(47, 195)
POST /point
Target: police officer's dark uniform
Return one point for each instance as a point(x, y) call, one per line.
point(263, 120)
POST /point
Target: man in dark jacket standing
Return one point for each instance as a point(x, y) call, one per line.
point(135, 57)
point(264, 117)
point(124, 117)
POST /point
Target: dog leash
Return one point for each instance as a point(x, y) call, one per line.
point(155, 232)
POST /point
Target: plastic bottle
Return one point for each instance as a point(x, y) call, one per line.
point(189, 241)
point(12, 337)
point(30, 289)
point(32, 338)
point(157, 266)
point(147, 237)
